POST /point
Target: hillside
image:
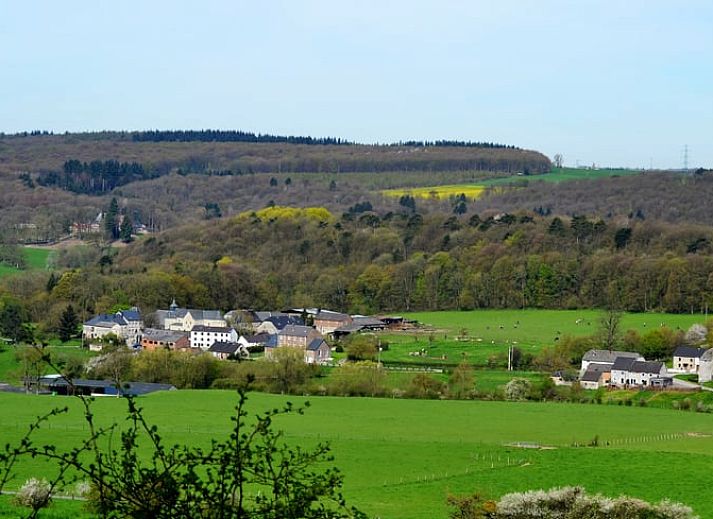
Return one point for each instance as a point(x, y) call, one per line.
point(35, 153)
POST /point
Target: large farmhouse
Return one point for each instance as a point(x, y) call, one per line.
point(687, 359)
point(125, 324)
point(184, 319)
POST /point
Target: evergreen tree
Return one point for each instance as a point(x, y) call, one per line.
point(110, 219)
point(68, 324)
point(126, 229)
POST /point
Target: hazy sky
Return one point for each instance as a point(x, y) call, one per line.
point(622, 83)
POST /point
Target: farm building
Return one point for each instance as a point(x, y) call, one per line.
point(605, 357)
point(705, 370)
point(687, 359)
point(596, 376)
point(627, 372)
point(228, 350)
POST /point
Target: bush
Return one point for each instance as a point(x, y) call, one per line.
point(518, 389)
point(575, 503)
point(35, 494)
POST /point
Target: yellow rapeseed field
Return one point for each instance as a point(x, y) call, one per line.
point(470, 191)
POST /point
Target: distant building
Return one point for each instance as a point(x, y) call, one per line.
point(687, 359)
point(303, 338)
point(203, 337)
point(596, 376)
point(228, 350)
point(184, 319)
point(326, 321)
point(627, 372)
point(705, 369)
point(125, 324)
point(154, 339)
point(605, 357)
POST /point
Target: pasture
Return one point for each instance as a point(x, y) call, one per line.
point(474, 189)
point(401, 458)
point(537, 328)
point(36, 260)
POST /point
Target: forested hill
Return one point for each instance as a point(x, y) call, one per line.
point(158, 153)
point(366, 263)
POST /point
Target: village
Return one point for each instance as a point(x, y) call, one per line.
point(245, 334)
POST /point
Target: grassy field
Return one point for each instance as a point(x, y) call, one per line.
point(402, 457)
point(473, 190)
point(537, 327)
point(10, 371)
point(36, 260)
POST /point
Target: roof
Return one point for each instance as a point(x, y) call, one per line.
point(224, 347)
point(271, 341)
point(261, 316)
point(316, 344)
point(368, 321)
point(211, 329)
point(595, 371)
point(127, 388)
point(258, 338)
point(163, 335)
point(280, 321)
point(642, 366)
point(608, 356)
point(349, 328)
point(106, 320)
point(326, 315)
point(623, 363)
point(132, 314)
point(296, 330)
point(689, 351)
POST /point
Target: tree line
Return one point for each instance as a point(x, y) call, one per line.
point(95, 177)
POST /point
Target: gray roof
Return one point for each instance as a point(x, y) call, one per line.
point(258, 338)
point(163, 335)
point(316, 344)
point(127, 388)
point(642, 366)
point(689, 352)
point(280, 321)
point(326, 315)
point(231, 348)
point(213, 329)
point(608, 356)
point(122, 318)
point(296, 330)
point(368, 321)
point(594, 372)
point(623, 363)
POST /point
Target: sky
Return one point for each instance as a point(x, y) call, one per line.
point(611, 83)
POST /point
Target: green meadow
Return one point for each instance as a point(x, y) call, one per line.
point(539, 327)
point(36, 260)
point(401, 458)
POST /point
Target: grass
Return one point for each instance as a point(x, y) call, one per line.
point(473, 190)
point(36, 260)
point(10, 371)
point(402, 457)
point(539, 327)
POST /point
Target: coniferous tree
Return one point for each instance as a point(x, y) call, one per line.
point(126, 229)
point(68, 323)
point(110, 219)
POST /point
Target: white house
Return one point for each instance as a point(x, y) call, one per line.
point(203, 337)
point(687, 359)
point(630, 372)
point(184, 319)
point(705, 370)
point(125, 324)
point(605, 357)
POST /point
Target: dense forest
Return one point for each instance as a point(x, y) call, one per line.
point(369, 263)
point(37, 153)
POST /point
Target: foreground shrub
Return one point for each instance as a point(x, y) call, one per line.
point(35, 494)
point(575, 503)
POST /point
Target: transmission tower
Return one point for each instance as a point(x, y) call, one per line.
point(685, 158)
